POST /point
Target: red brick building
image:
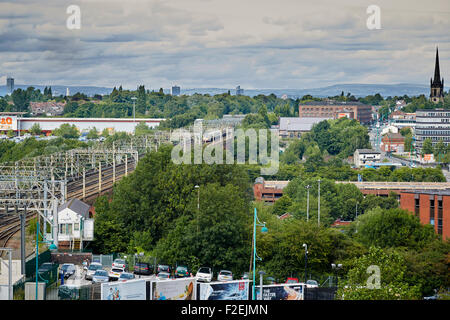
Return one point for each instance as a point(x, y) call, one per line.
point(268, 191)
point(335, 110)
point(431, 207)
point(393, 142)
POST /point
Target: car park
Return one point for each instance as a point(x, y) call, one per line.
point(125, 276)
point(93, 267)
point(181, 272)
point(225, 275)
point(163, 276)
point(67, 269)
point(204, 274)
point(143, 268)
point(100, 276)
point(119, 263)
point(115, 273)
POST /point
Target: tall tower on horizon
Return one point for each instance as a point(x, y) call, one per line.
point(9, 85)
point(437, 86)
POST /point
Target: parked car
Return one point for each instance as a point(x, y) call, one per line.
point(245, 276)
point(163, 276)
point(46, 266)
point(119, 263)
point(115, 273)
point(163, 268)
point(271, 280)
point(93, 267)
point(181, 272)
point(143, 268)
point(100, 276)
point(204, 274)
point(225, 275)
point(292, 280)
point(312, 284)
point(125, 276)
point(68, 269)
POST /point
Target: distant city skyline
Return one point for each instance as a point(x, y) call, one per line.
point(289, 44)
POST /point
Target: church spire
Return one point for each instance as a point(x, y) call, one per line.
point(437, 72)
point(437, 85)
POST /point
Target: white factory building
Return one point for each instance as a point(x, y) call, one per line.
point(13, 122)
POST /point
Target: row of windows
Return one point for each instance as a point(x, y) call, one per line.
point(68, 228)
point(432, 213)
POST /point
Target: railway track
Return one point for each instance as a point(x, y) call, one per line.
point(8, 228)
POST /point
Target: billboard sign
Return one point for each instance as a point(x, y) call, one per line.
point(8, 123)
point(179, 289)
point(128, 290)
point(230, 290)
point(281, 292)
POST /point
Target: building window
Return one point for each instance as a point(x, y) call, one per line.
point(76, 227)
point(432, 212)
point(439, 226)
point(417, 207)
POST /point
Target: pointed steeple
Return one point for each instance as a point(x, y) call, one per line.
point(437, 72)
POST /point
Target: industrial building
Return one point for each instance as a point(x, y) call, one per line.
point(15, 122)
point(335, 110)
point(295, 127)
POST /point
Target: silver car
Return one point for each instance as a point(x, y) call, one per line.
point(93, 267)
point(204, 274)
point(225, 275)
point(100, 276)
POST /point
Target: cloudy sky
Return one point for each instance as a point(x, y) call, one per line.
point(223, 43)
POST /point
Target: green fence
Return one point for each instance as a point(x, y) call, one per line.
point(49, 277)
point(30, 265)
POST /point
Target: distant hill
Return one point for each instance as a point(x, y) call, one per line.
point(61, 90)
point(358, 90)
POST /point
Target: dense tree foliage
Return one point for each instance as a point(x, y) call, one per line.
point(12, 151)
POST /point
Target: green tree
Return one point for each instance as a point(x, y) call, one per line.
point(36, 129)
point(67, 131)
point(392, 228)
point(427, 147)
point(92, 134)
point(393, 285)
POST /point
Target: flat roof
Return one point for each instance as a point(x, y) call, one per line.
point(45, 119)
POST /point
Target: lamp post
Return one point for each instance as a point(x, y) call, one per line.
point(318, 208)
point(198, 204)
point(134, 110)
point(307, 202)
point(336, 268)
point(256, 223)
point(306, 260)
point(261, 274)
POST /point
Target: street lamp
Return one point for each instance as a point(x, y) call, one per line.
point(198, 204)
point(336, 268)
point(264, 229)
point(307, 203)
point(318, 208)
point(261, 274)
point(139, 266)
point(306, 260)
point(134, 108)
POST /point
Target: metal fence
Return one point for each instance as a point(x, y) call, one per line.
point(85, 292)
point(105, 259)
point(30, 264)
point(320, 293)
